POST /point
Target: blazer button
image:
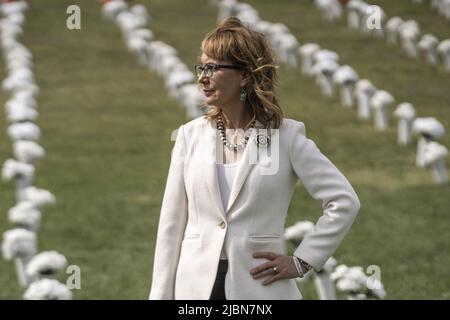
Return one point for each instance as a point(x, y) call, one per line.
point(222, 224)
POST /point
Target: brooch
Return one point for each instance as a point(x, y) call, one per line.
point(261, 139)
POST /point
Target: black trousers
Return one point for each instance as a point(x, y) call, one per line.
point(218, 291)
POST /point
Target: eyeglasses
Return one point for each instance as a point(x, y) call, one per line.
point(209, 68)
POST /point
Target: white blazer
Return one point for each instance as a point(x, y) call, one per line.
point(194, 226)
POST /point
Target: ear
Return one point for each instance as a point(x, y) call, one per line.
point(245, 79)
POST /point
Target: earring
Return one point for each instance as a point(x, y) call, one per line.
point(243, 95)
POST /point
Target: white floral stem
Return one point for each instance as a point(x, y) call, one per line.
point(440, 172)
point(22, 182)
point(20, 265)
point(325, 287)
point(363, 106)
point(404, 131)
point(381, 119)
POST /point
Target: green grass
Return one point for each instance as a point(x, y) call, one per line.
point(106, 124)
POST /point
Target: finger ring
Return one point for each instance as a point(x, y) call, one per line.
point(275, 269)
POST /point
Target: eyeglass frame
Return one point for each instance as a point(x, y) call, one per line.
point(213, 67)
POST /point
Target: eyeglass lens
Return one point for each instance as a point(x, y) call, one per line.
point(208, 70)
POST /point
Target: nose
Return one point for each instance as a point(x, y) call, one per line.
point(202, 78)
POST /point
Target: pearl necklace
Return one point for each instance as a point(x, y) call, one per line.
point(231, 146)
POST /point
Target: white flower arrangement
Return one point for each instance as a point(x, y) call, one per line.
point(350, 284)
point(339, 272)
point(39, 197)
point(46, 263)
point(350, 280)
point(13, 7)
point(354, 282)
point(22, 113)
point(429, 126)
point(140, 10)
point(47, 289)
point(376, 288)
point(298, 231)
point(19, 57)
point(26, 215)
point(112, 8)
point(12, 168)
point(24, 130)
point(24, 206)
point(18, 243)
point(330, 265)
point(28, 151)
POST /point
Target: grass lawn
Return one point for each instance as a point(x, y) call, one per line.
point(106, 124)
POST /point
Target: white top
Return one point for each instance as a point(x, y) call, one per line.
point(226, 174)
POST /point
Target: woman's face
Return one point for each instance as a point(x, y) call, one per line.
point(223, 88)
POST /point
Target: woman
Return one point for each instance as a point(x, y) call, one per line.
point(230, 183)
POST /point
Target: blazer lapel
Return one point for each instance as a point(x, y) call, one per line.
point(247, 162)
point(241, 175)
point(212, 179)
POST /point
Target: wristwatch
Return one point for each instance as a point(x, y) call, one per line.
point(305, 265)
point(302, 266)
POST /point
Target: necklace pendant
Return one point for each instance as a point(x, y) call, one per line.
point(228, 145)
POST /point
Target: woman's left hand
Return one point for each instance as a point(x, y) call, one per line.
point(278, 267)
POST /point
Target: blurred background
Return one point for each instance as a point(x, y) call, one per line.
point(106, 121)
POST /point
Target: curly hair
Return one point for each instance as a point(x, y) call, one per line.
point(233, 41)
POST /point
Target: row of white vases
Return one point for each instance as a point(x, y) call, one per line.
point(34, 270)
point(377, 103)
point(414, 44)
point(350, 280)
point(360, 16)
point(324, 66)
point(156, 55)
point(442, 6)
